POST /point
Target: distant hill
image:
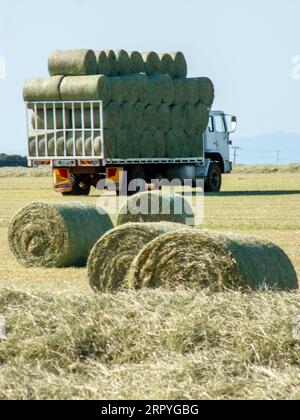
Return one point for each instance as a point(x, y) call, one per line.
point(263, 149)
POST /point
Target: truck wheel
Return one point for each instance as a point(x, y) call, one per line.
point(213, 181)
point(79, 187)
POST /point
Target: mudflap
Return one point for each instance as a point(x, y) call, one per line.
point(62, 180)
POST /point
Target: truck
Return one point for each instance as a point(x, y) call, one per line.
point(75, 173)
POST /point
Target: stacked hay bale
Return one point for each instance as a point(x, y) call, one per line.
point(151, 108)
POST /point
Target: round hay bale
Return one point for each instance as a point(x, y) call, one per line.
point(135, 139)
point(187, 146)
point(164, 118)
point(174, 139)
point(196, 142)
point(142, 87)
point(43, 89)
point(130, 89)
point(160, 144)
point(103, 62)
point(136, 62)
point(112, 59)
point(152, 63)
point(111, 257)
point(191, 121)
point(43, 150)
point(112, 118)
point(180, 91)
point(118, 90)
point(167, 64)
point(155, 206)
point(166, 86)
point(206, 91)
point(177, 117)
point(147, 150)
point(192, 90)
point(110, 146)
point(72, 63)
point(180, 64)
point(123, 144)
point(154, 91)
point(87, 118)
point(86, 88)
point(204, 260)
point(151, 118)
point(123, 63)
point(73, 143)
point(56, 234)
point(127, 116)
point(202, 117)
point(139, 118)
point(39, 122)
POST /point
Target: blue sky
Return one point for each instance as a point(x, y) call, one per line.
point(246, 47)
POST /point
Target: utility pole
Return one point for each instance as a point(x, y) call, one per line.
point(235, 149)
point(278, 157)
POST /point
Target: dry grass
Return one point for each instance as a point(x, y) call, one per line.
point(63, 342)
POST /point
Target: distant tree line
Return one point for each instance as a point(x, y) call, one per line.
point(12, 160)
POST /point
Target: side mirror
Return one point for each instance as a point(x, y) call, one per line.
point(233, 126)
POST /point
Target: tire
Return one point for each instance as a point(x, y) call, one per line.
point(213, 181)
point(77, 188)
point(135, 172)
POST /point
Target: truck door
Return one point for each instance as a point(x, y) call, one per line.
point(210, 136)
point(222, 137)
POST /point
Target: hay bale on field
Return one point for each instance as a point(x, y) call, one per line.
point(154, 92)
point(206, 91)
point(139, 121)
point(180, 92)
point(56, 234)
point(127, 115)
point(180, 64)
point(147, 150)
point(136, 62)
point(151, 118)
point(160, 144)
point(167, 64)
point(103, 63)
point(164, 118)
point(177, 117)
point(86, 88)
point(112, 255)
point(156, 206)
point(130, 89)
point(43, 89)
point(174, 140)
point(142, 87)
point(72, 63)
point(152, 63)
point(123, 64)
point(205, 260)
point(59, 119)
point(118, 90)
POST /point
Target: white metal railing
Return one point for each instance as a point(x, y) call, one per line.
point(43, 124)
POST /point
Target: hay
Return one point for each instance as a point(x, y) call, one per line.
point(155, 206)
point(123, 64)
point(139, 118)
point(152, 63)
point(166, 86)
point(112, 255)
point(167, 64)
point(135, 140)
point(56, 234)
point(43, 89)
point(130, 89)
point(86, 88)
point(151, 118)
point(123, 144)
point(154, 92)
point(72, 63)
point(160, 144)
point(177, 117)
point(38, 120)
point(127, 115)
point(104, 63)
point(136, 62)
point(142, 87)
point(180, 64)
point(117, 89)
point(202, 117)
point(110, 144)
point(191, 120)
point(87, 118)
point(174, 140)
point(206, 91)
point(112, 118)
point(180, 91)
point(195, 143)
point(147, 150)
point(164, 118)
point(205, 260)
point(43, 150)
point(192, 88)
point(112, 59)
